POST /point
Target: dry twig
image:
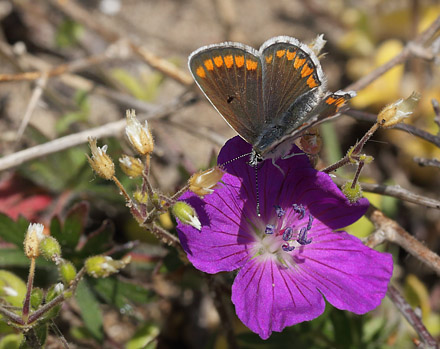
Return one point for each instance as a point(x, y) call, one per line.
point(428, 341)
point(395, 191)
point(389, 230)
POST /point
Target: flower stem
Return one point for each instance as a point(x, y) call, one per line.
point(27, 300)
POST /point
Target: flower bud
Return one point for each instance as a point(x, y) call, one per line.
point(398, 111)
point(352, 194)
point(103, 266)
point(139, 136)
point(34, 236)
point(204, 182)
point(53, 292)
point(140, 196)
point(37, 295)
point(67, 272)
point(50, 249)
point(186, 214)
point(100, 162)
point(132, 167)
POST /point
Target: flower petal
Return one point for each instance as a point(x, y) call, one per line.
point(268, 297)
point(222, 243)
point(349, 274)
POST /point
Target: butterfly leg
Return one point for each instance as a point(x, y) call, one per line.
point(278, 167)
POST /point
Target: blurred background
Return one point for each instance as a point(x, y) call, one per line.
point(89, 61)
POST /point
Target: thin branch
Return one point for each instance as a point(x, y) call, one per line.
point(369, 117)
point(412, 317)
point(58, 70)
point(427, 162)
point(413, 48)
point(436, 108)
point(388, 230)
point(394, 191)
point(110, 129)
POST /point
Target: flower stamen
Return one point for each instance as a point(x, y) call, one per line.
point(300, 210)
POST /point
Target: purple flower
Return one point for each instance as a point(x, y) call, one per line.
point(289, 257)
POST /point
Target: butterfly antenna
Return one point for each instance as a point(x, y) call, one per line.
point(257, 191)
point(234, 159)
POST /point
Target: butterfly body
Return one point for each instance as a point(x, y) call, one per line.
point(270, 96)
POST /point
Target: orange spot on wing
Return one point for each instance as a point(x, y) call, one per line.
point(218, 61)
point(201, 72)
point(251, 65)
point(209, 65)
point(229, 61)
point(269, 59)
point(280, 53)
point(239, 61)
point(340, 101)
point(290, 55)
point(311, 82)
point(298, 62)
point(330, 100)
point(306, 71)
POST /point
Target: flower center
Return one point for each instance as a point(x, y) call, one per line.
point(286, 231)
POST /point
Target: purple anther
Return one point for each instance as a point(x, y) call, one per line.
point(270, 229)
point(287, 248)
point(302, 237)
point(280, 212)
point(309, 225)
point(288, 233)
point(299, 209)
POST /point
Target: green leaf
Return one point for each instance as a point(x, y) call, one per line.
point(12, 288)
point(13, 257)
point(68, 33)
point(73, 226)
point(144, 338)
point(66, 121)
point(13, 232)
point(121, 293)
point(100, 241)
point(90, 311)
point(11, 341)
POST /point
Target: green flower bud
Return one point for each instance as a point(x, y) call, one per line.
point(53, 292)
point(186, 214)
point(67, 272)
point(103, 266)
point(50, 249)
point(352, 194)
point(37, 296)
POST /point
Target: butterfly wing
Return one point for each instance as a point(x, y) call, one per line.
point(327, 108)
point(230, 76)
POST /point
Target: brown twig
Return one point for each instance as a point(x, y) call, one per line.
point(59, 70)
point(427, 162)
point(36, 95)
point(364, 116)
point(436, 108)
point(394, 191)
point(110, 129)
point(412, 317)
point(388, 230)
point(412, 49)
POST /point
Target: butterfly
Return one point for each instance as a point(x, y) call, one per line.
point(270, 96)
